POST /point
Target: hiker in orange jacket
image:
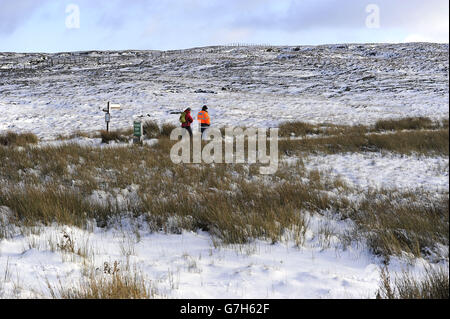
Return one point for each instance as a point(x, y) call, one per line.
point(204, 119)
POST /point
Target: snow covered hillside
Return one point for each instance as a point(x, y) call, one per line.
point(347, 200)
point(51, 94)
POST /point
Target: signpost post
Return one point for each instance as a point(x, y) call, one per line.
point(107, 116)
point(108, 109)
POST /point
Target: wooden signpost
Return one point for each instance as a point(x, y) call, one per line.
point(138, 125)
point(108, 109)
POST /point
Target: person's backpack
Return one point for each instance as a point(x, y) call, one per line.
point(183, 118)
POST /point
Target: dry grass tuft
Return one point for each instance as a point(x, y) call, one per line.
point(298, 129)
point(434, 285)
point(409, 123)
point(303, 129)
point(166, 129)
point(394, 222)
point(151, 129)
point(32, 206)
point(77, 134)
point(434, 142)
point(117, 136)
point(113, 283)
point(423, 142)
point(14, 139)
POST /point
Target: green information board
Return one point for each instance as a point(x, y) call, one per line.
point(137, 129)
point(138, 132)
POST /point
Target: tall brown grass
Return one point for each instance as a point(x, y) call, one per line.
point(113, 283)
point(395, 222)
point(229, 200)
point(15, 139)
point(118, 136)
point(434, 142)
point(409, 123)
point(433, 285)
point(298, 128)
point(166, 129)
point(151, 129)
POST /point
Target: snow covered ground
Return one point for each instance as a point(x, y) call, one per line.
point(192, 265)
point(188, 265)
point(374, 170)
point(348, 84)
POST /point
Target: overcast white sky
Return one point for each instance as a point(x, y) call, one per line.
point(41, 25)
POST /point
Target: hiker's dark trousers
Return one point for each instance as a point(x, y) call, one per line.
point(188, 128)
point(203, 127)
